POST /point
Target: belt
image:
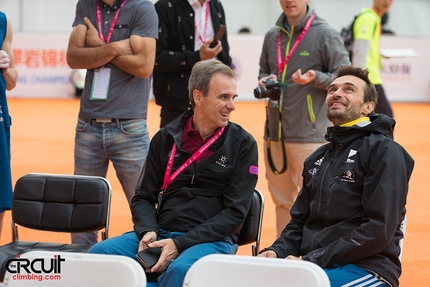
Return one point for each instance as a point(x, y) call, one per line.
point(107, 120)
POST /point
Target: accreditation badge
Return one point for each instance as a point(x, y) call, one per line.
point(100, 87)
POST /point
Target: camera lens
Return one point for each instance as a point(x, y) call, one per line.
point(261, 92)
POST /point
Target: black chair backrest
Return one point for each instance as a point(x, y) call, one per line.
point(251, 228)
point(61, 203)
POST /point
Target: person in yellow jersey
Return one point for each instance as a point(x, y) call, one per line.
point(365, 53)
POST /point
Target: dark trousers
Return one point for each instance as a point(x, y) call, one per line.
point(168, 115)
point(383, 106)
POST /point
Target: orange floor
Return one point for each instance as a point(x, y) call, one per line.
point(42, 141)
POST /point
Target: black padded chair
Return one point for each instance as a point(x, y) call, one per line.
point(59, 203)
point(251, 229)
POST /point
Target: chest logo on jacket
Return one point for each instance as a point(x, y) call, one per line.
point(305, 53)
point(313, 171)
point(352, 153)
point(222, 161)
point(319, 162)
point(348, 176)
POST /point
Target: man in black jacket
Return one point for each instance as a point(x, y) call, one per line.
point(186, 29)
point(197, 184)
point(348, 214)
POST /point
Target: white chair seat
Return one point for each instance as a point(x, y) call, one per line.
point(78, 269)
point(247, 271)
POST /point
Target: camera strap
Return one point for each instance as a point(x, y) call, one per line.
point(283, 63)
point(281, 140)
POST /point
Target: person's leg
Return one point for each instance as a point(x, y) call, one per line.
point(285, 187)
point(127, 149)
point(89, 160)
point(353, 276)
point(126, 244)
point(167, 115)
point(175, 273)
point(383, 106)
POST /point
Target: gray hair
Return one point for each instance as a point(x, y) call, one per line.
point(201, 76)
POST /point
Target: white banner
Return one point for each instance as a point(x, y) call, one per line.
point(44, 73)
point(42, 67)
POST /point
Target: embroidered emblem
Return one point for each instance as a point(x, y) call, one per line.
point(222, 161)
point(253, 169)
point(305, 53)
point(348, 176)
point(319, 162)
point(313, 171)
point(352, 152)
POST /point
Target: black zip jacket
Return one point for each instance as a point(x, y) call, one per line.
point(352, 201)
point(208, 201)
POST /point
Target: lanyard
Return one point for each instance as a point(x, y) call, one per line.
point(282, 64)
point(168, 179)
point(112, 26)
point(202, 38)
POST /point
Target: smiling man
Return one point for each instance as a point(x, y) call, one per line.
point(197, 184)
point(347, 216)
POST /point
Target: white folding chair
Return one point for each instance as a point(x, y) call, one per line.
point(77, 269)
point(247, 271)
point(402, 241)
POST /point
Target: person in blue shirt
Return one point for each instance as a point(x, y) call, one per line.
point(8, 79)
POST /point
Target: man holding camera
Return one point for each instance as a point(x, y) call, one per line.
point(299, 58)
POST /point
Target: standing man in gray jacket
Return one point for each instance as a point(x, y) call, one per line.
point(302, 53)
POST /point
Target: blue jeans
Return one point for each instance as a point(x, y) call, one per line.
point(351, 275)
point(127, 245)
point(123, 142)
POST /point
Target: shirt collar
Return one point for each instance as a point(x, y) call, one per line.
point(195, 2)
point(189, 126)
point(190, 133)
point(115, 5)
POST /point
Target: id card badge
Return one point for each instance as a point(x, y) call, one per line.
point(100, 88)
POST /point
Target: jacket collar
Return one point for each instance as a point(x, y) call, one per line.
point(380, 124)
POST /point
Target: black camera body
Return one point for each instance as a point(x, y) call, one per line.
point(271, 89)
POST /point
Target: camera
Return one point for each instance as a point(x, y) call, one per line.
point(271, 90)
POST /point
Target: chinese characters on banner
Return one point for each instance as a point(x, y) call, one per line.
point(44, 73)
point(42, 67)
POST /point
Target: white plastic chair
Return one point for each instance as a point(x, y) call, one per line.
point(402, 241)
point(236, 271)
point(77, 269)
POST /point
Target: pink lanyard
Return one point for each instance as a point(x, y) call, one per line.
point(203, 39)
point(169, 179)
point(112, 26)
point(281, 64)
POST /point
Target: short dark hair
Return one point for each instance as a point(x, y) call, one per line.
point(370, 93)
point(201, 75)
